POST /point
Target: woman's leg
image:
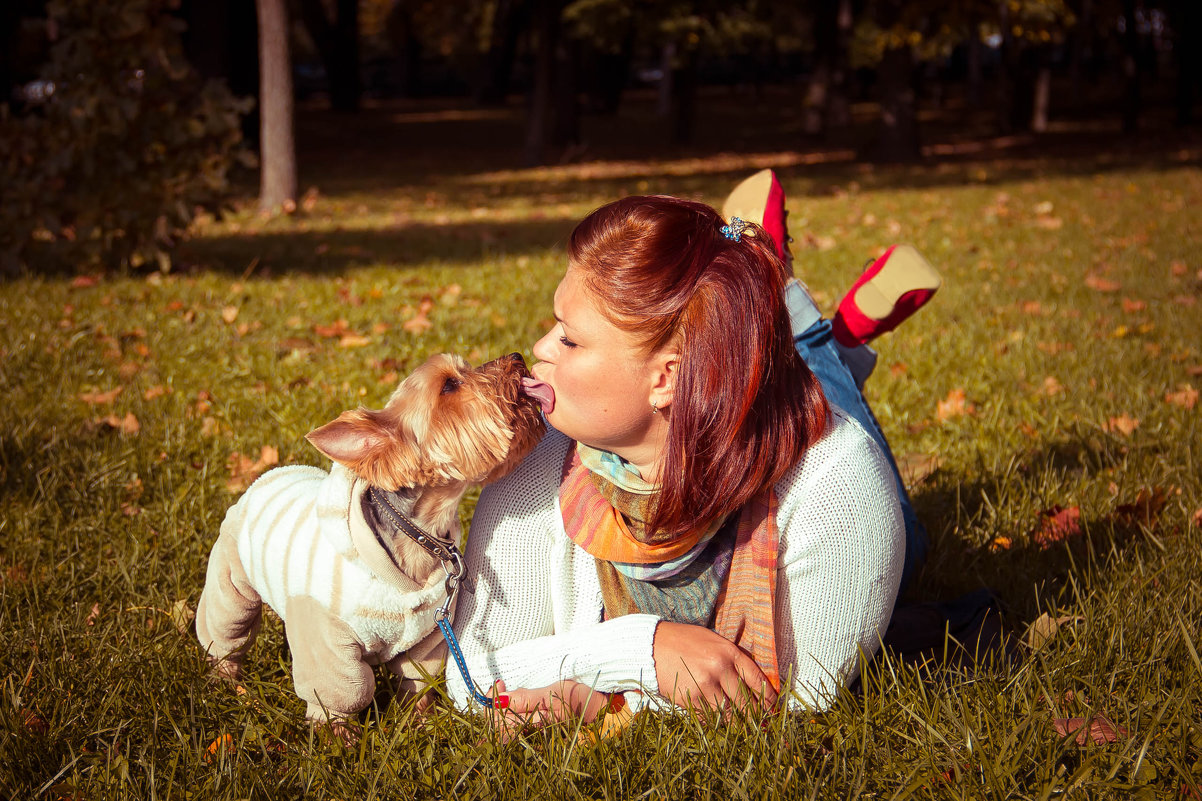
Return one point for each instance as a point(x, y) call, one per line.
point(822, 354)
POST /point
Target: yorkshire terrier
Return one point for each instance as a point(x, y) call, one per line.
point(327, 551)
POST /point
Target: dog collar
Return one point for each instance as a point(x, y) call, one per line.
point(444, 551)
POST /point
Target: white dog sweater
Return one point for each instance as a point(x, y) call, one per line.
point(301, 533)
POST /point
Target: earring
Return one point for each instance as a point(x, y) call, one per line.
point(654, 408)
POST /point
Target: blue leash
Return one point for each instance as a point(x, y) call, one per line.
point(454, 573)
point(452, 643)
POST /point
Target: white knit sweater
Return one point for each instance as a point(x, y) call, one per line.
point(535, 617)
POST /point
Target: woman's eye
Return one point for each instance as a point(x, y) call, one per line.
point(567, 343)
point(450, 385)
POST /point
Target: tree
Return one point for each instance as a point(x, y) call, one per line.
point(277, 187)
point(337, 43)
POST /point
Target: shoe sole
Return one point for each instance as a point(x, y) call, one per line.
point(747, 200)
point(906, 271)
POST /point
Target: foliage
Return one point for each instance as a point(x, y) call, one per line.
point(1051, 388)
point(109, 171)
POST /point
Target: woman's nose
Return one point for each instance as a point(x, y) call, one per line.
point(542, 348)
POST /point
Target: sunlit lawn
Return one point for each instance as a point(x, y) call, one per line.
point(1045, 403)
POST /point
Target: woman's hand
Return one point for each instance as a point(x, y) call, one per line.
point(697, 667)
point(560, 702)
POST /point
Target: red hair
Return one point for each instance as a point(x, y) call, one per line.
point(745, 405)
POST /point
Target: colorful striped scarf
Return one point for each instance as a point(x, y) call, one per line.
point(730, 585)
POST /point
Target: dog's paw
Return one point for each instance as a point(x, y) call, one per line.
point(226, 670)
point(339, 730)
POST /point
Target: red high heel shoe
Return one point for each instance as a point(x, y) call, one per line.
point(893, 287)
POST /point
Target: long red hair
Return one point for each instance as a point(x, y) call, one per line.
point(745, 405)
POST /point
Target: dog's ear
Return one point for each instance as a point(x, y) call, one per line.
point(371, 445)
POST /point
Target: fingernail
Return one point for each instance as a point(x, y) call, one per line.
point(501, 702)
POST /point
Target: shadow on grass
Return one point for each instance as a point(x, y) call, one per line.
point(404, 246)
point(1024, 573)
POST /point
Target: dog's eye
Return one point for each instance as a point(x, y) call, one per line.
point(450, 385)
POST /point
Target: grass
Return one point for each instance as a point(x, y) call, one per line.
point(1070, 311)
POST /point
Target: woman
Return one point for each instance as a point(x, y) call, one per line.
point(700, 523)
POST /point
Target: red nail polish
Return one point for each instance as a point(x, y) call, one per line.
point(501, 702)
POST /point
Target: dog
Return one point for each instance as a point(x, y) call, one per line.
point(326, 551)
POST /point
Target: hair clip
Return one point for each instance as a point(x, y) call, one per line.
point(734, 231)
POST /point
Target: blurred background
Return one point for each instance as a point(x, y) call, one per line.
point(170, 106)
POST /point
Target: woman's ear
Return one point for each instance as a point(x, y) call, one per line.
point(663, 384)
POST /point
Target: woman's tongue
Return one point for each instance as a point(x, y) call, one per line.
point(541, 392)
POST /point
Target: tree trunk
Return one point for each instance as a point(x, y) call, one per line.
point(973, 56)
point(1132, 94)
point(509, 20)
point(1187, 23)
point(403, 36)
point(1004, 96)
point(538, 119)
point(1041, 97)
point(1081, 47)
point(684, 98)
point(897, 138)
point(565, 131)
point(667, 62)
point(825, 108)
point(338, 45)
point(277, 159)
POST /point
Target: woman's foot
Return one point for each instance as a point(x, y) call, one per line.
point(893, 287)
point(761, 199)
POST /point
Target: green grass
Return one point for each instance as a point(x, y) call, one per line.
point(1071, 300)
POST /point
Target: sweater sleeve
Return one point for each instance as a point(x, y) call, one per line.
point(842, 544)
point(535, 615)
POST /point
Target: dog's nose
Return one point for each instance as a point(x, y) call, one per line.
point(517, 358)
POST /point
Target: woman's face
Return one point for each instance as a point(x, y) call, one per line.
point(604, 386)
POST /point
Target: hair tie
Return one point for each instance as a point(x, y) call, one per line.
point(734, 231)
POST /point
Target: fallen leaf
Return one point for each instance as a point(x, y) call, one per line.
point(243, 471)
point(1057, 524)
point(1196, 518)
point(1000, 544)
point(182, 615)
point(954, 405)
point(84, 281)
point(157, 391)
point(1131, 306)
point(917, 467)
point(418, 323)
point(353, 341)
point(1123, 424)
point(309, 199)
point(221, 745)
point(289, 345)
point(100, 398)
point(1194, 371)
point(898, 369)
point(1185, 396)
point(95, 613)
point(1178, 268)
point(1145, 509)
point(1032, 307)
point(1098, 729)
point(209, 427)
point(338, 328)
point(126, 425)
point(229, 314)
point(1051, 386)
point(1100, 284)
point(1045, 628)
